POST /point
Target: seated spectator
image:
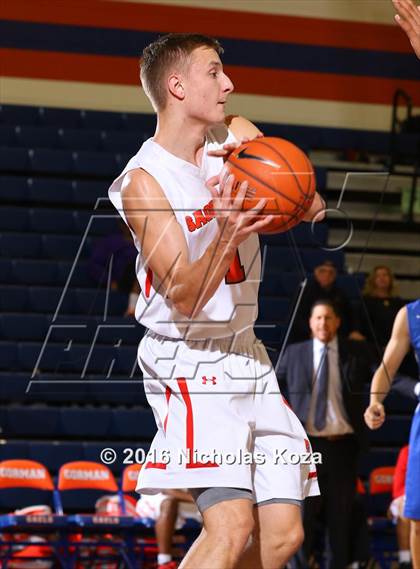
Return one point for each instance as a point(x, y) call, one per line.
point(169, 509)
point(380, 306)
point(116, 253)
point(396, 510)
point(322, 287)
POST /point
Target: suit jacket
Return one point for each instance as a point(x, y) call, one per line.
point(295, 375)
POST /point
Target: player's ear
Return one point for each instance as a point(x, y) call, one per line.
point(176, 87)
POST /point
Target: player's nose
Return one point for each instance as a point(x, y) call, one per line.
point(227, 84)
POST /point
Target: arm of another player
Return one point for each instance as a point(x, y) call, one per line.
point(188, 285)
point(396, 349)
point(408, 17)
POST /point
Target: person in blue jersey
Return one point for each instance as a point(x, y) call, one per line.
point(405, 333)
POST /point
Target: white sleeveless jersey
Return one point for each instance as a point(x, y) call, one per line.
point(233, 307)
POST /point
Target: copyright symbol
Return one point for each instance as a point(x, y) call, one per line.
point(108, 455)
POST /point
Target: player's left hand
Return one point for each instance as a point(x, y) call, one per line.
point(227, 149)
point(408, 17)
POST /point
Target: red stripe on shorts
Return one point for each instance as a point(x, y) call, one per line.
point(183, 387)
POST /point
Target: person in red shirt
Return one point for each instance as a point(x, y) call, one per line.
point(396, 509)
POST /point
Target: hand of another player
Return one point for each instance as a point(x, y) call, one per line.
point(408, 17)
point(235, 224)
point(374, 416)
point(227, 149)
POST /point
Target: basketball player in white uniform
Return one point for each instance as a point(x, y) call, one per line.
point(210, 383)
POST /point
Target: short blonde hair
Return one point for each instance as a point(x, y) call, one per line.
point(159, 56)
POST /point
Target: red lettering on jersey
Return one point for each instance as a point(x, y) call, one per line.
point(190, 223)
point(201, 217)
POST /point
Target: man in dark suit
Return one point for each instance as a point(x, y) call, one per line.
point(323, 379)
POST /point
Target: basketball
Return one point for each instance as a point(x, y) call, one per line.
point(279, 171)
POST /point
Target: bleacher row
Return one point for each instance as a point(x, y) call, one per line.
point(55, 164)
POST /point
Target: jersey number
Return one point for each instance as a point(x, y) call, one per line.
point(236, 272)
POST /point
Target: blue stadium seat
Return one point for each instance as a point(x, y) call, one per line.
point(14, 219)
point(21, 327)
point(31, 421)
point(58, 358)
point(270, 335)
point(113, 391)
point(279, 259)
point(96, 223)
point(45, 160)
point(352, 285)
point(19, 114)
point(121, 141)
point(13, 188)
point(395, 431)
point(134, 423)
point(93, 302)
point(55, 453)
point(85, 422)
point(377, 456)
point(7, 135)
point(303, 234)
point(79, 139)
point(46, 300)
point(14, 159)
point(8, 355)
point(273, 309)
point(14, 298)
point(78, 328)
point(13, 449)
point(87, 192)
point(13, 387)
point(36, 136)
point(64, 246)
point(288, 284)
point(62, 118)
point(102, 120)
point(45, 220)
point(24, 245)
point(93, 451)
point(139, 122)
point(35, 272)
point(76, 276)
point(129, 332)
point(314, 257)
point(94, 164)
point(50, 190)
point(6, 271)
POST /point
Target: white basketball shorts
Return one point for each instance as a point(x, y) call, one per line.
point(222, 421)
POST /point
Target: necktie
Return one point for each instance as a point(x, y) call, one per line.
point(322, 396)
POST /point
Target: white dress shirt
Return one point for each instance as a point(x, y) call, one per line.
point(337, 422)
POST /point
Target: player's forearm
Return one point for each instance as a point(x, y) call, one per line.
point(193, 284)
point(381, 384)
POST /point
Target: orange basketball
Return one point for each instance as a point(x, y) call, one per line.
point(279, 171)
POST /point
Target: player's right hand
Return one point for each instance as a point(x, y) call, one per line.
point(235, 224)
point(374, 416)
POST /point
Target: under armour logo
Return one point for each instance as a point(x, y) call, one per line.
point(206, 379)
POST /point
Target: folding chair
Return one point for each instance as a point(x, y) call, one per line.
point(96, 538)
point(25, 482)
point(383, 533)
